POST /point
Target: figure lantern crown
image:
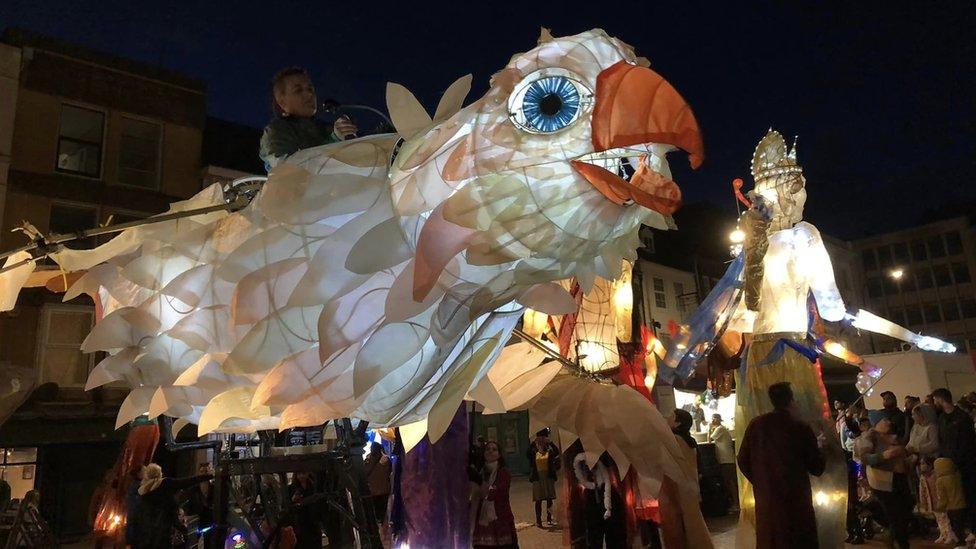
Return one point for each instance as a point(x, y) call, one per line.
point(773, 159)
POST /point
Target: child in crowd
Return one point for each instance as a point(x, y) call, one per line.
point(950, 500)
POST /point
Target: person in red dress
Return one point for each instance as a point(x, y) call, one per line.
point(494, 522)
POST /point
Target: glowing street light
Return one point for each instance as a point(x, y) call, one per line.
point(897, 274)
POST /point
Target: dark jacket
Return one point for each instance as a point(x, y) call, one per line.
point(286, 135)
point(553, 452)
point(897, 419)
point(957, 438)
point(132, 499)
point(201, 504)
point(158, 513)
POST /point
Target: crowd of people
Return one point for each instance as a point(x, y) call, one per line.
point(910, 465)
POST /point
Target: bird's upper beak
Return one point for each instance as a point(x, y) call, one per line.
point(635, 106)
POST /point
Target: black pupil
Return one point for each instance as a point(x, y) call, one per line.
point(550, 104)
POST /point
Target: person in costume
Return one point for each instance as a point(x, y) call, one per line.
point(601, 506)
point(544, 458)
point(778, 454)
point(294, 126)
point(494, 521)
point(780, 288)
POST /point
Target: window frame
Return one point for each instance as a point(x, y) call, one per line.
point(44, 329)
point(77, 205)
point(950, 249)
point(660, 296)
point(950, 304)
point(869, 259)
point(958, 267)
point(101, 145)
point(159, 152)
point(5, 463)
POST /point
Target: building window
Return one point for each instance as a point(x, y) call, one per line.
point(870, 262)
point(960, 271)
point(139, 153)
point(71, 218)
point(919, 253)
point(874, 287)
point(842, 279)
point(936, 246)
point(950, 310)
point(931, 312)
point(118, 218)
point(660, 299)
point(80, 141)
point(924, 278)
point(890, 285)
point(913, 314)
point(968, 307)
point(953, 243)
point(679, 296)
point(60, 360)
point(884, 257)
point(897, 316)
point(19, 467)
point(942, 276)
point(900, 251)
point(907, 283)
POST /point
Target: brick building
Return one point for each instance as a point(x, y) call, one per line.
point(84, 138)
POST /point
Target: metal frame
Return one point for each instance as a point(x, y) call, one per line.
point(342, 483)
point(238, 194)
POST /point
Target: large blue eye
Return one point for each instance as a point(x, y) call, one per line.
point(551, 103)
point(548, 100)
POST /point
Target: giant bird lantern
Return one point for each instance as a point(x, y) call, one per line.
point(780, 288)
point(380, 278)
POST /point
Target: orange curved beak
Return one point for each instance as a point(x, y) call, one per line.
point(635, 105)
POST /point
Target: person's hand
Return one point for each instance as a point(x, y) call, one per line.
point(344, 127)
point(606, 514)
point(892, 452)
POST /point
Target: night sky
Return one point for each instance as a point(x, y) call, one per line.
point(881, 94)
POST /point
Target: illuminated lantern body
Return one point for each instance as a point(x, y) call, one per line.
point(379, 278)
point(794, 265)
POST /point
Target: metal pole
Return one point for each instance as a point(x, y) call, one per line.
point(241, 200)
point(539, 345)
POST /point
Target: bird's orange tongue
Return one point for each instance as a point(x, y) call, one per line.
point(646, 187)
point(635, 106)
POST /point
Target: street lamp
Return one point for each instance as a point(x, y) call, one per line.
point(897, 274)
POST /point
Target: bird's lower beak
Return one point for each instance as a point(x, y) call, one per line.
point(636, 107)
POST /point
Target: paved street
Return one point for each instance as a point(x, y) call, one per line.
point(723, 529)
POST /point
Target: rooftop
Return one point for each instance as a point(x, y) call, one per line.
point(27, 39)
